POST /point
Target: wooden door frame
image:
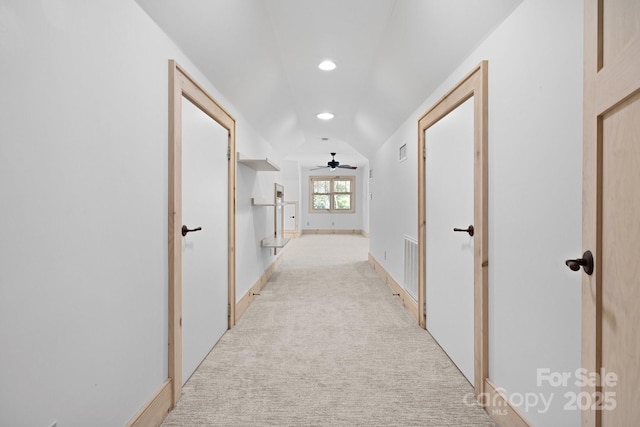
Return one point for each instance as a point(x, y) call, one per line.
point(181, 84)
point(474, 84)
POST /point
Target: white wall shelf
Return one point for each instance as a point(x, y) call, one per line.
point(255, 202)
point(258, 164)
point(273, 242)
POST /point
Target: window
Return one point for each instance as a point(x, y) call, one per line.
point(332, 194)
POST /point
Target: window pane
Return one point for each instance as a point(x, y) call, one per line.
point(342, 186)
point(342, 201)
point(321, 186)
point(321, 202)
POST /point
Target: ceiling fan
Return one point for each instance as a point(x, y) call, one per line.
point(333, 164)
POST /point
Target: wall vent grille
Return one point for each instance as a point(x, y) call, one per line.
point(411, 267)
point(402, 152)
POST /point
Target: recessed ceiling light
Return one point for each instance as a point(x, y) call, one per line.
point(325, 116)
point(327, 65)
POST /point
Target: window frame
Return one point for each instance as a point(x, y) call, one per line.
point(332, 193)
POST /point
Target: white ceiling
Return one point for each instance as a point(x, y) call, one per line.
point(263, 56)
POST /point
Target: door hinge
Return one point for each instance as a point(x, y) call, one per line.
point(228, 153)
point(424, 151)
point(229, 311)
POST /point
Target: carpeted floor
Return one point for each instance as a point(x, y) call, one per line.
point(325, 344)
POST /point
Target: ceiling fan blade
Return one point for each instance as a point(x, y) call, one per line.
point(348, 167)
point(319, 167)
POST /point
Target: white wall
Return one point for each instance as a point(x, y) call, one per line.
point(291, 180)
point(535, 146)
point(253, 223)
point(334, 221)
point(393, 204)
point(83, 179)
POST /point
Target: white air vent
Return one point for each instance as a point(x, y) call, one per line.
point(402, 152)
point(411, 267)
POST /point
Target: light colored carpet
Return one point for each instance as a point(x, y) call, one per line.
point(326, 343)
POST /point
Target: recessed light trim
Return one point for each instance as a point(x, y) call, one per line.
point(327, 65)
point(325, 116)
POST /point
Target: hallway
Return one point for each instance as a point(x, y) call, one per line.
point(327, 343)
point(91, 291)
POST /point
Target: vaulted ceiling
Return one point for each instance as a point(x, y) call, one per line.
point(263, 56)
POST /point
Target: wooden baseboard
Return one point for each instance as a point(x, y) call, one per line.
point(155, 410)
point(247, 299)
point(409, 303)
point(500, 409)
point(332, 231)
point(292, 233)
point(364, 233)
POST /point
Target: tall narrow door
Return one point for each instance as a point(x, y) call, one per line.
point(611, 214)
point(204, 250)
point(290, 218)
point(449, 200)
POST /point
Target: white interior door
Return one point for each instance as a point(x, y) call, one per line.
point(204, 252)
point(290, 213)
point(449, 196)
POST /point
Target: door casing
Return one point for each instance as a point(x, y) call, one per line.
point(181, 84)
point(474, 84)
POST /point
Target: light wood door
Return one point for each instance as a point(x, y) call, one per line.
point(611, 213)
